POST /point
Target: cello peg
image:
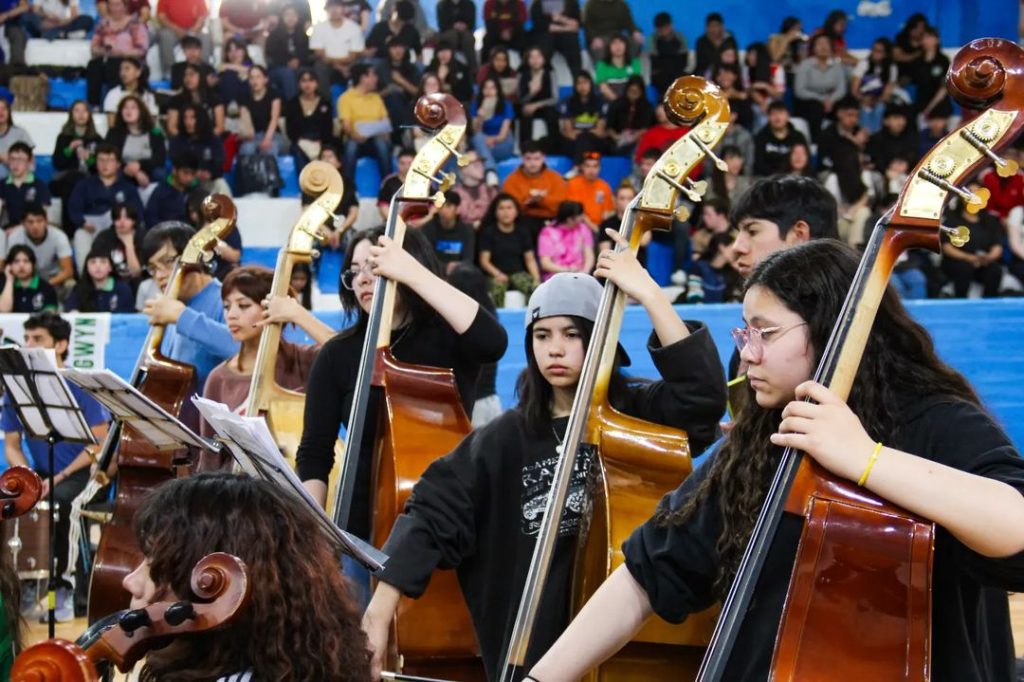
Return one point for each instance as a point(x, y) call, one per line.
point(719, 163)
point(438, 199)
point(690, 193)
point(974, 201)
point(958, 236)
point(700, 186)
point(131, 621)
point(178, 612)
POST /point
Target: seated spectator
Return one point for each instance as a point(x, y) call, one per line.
point(1006, 192)
point(454, 75)
point(118, 35)
point(799, 162)
point(347, 212)
point(624, 194)
point(628, 117)
point(476, 195)
point(301, 284)
point(192, 48)
point(398, 26)
point(714, 219)
point(195, 90)
point(419, 17)
point(660, 136)
point(907, 47)
point(668, 53)
point(12, 19)
point(21, 187)
point(429, 84)
point(762, 80)
point(774, 141)
point(786, 48)
point(308, 121)
point(504, 21)
point(456, 22)
point(336, 43)
point(359, 12)
point(709, 44)
point(738, 136)
point(261, 113)
point(855, 190)
point(604, 20)
point(877, 73)
point(936, 127)
point(227, 254)
point(123, 241)
point(506, 251)
point(712, 278)
point(555, 28)
point(24, 291)
point(590, 191)
point(99, 291)
point(169, 198)
point(733, 182)
point(897, 138)
point(51, 247)
point(364, 121)
point(928, 75)
point(980, 260)
point(197, 138)
point(498, 65)
point(390, 184)
point(452, 239)
point(820, 83)
point(246, 20)
point(582, 126)
point(834, 28)
point(141, 144)
point(9, 135)
point(233, 75)
point(133, 82)
point(492, 118)
point(618, 66)
point(399, 82)
point(843, 136)
point(74, 153)
point(287, 52)
point(55, 19)
point(1015, 240)
point(536, 94)
point(566, 245)
point(642, 167)
point(94, 196)
point(177, 19)
point(538, 189)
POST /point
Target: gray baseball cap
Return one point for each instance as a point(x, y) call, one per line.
point(568, 293)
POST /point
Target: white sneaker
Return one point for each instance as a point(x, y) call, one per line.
point(491, 178)
point(678, 278)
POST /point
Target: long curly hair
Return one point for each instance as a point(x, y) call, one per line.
point(10, 588)
point(812, 280)
point(301, 622)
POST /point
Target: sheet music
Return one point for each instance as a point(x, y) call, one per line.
point(40, 396)
point(133, 408)
point(253, 446)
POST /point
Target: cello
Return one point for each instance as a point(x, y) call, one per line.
point(859, 596)
point(283, 408)
point(140, 466)
point(638, 461)
point(422, 419)
point(219, 580)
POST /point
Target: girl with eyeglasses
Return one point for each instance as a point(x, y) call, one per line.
point(913, 432)
point(479, 509)
point(434, 324)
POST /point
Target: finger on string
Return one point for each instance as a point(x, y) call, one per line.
point(817, 393)
point(797, 441)
point(796, 425)
point(799, 408)
point(616, 236)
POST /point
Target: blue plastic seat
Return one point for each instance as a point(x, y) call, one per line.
point(286, 166)
point(560, 164)
point(44, 167)
point(367, 178)
point(507, 167)
point(260, 255)
point(615, 168)
point(64, 93)
point(328, 271)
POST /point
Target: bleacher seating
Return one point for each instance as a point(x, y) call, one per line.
point(68, 52)
point(44, 126)
point(367, 178)
point(64, 93)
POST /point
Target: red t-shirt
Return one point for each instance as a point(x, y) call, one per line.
point(183, 13)
point(1006, 192)
point(243, 13)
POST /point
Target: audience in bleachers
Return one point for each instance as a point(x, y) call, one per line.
point(12, 15)
point(24, 291)
point(98, 290)
point(53, 257)
point(854, 121)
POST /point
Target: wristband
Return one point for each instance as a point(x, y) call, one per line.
point(871, 464)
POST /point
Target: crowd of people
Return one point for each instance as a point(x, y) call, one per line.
point(800, 104)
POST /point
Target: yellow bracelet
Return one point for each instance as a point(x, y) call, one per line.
point(871, 464)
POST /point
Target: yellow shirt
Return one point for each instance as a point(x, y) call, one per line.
point(355, 107)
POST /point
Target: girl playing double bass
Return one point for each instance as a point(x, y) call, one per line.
point(913, 433)
point(435, 324)
point(478, 509)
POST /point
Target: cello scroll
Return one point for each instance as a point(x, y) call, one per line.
point(20, 490)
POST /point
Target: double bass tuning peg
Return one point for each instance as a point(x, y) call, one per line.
point(444, 183)
point(1005, 168)
point(958, 236)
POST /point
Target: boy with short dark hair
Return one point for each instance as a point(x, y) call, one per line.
point(21, 187)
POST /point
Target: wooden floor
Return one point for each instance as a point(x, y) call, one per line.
point(71, 631)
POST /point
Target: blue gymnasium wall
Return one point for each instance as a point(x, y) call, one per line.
point(958, 21)
point(979, 338)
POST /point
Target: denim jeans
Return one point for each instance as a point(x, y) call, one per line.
point(910, 283)
point(33, 25)
point(286, 82)
point(250, 147)
point(377, 147)
point(492, 155)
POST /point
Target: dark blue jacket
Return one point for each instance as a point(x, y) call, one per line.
point(166, 203)
point(92, 197)
point(15, 198)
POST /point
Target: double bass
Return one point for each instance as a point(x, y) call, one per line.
point(140, 466)
point(282, 407)
point(638, 462)
point(219, 580)
point(859, 598)
point(421, 419)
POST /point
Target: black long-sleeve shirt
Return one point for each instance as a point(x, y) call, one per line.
point(449, 12)
point(316, 126)
point(332, 384)
point(971, 639)
point(478, 510)
point(282, 46)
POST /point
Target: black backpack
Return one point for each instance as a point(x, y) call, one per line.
point(257, 173)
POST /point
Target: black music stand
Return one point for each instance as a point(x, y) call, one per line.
point(250, 442)
point(48, 411)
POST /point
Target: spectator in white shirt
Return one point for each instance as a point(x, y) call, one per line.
point(130, 74)
point(337, 43)
point(53, 19)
